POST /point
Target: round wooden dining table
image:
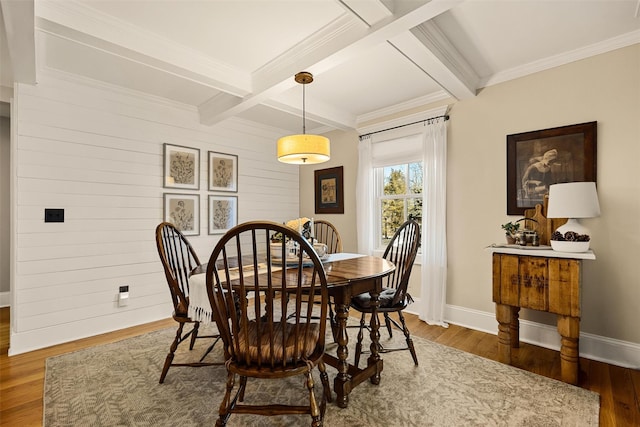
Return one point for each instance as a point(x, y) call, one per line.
point(348, 275)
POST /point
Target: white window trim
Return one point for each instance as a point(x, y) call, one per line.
point(379, 182)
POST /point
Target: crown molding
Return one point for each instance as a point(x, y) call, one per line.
point(613, 43)
point(404, 106)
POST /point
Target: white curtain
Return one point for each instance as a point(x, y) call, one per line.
point(411, 143)
point(365, 197)
point(434, 224)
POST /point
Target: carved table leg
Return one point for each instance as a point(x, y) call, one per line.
point(374, 359)
point(515, 327)
point(504, 315)
point(569, 329)
point(342, 382)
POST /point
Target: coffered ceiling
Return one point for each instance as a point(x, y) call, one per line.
point(370, 58)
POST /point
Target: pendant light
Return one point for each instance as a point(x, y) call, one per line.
point(303, 149)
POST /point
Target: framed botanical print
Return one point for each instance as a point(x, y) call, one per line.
point(181, 167)
point(329, 191)
point(223, 172)
point(183, 211)
point(223, 213)
point(537, 159)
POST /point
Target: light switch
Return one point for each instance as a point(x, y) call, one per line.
point(54, 215)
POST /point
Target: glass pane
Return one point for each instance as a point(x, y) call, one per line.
point(414, 210)
point(415, 178)
point(395, 180)
point(392, 218)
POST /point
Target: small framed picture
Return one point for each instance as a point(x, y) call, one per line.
point(329, 194)
point(183, 211)
point(223, 213)
point(181, 167)
point(223, 172)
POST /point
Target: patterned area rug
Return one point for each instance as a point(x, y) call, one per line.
point(117, 385)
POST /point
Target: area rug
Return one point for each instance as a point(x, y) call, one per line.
point(117, 385)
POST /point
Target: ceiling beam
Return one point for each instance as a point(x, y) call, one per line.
point(19, 22)
point(334, 45)
point(328, 115)
point(426, 47)
point(75, 21)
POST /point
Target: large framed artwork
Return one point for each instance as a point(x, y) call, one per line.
point(223, 213)
point(181, 167)
point(540, 158)
point(183, 211)
point(223, 172)
point(329, 190)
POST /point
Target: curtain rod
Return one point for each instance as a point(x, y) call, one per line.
point(427, 121)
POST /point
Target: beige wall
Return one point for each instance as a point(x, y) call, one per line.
point(606, 89)
point(344, 152)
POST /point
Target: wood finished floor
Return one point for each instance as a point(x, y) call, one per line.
point(22, 376)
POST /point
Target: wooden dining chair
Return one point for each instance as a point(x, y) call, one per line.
point(179, 259)
point(394, 298)
point(325, 232)
point(270, 333)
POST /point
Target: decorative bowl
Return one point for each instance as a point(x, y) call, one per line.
point(568, 246)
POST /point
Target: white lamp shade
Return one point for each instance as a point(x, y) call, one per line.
point(303, 149)
point(573, 200)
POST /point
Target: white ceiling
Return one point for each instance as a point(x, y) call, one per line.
point(370, 58)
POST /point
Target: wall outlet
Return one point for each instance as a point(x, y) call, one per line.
point(123, 296)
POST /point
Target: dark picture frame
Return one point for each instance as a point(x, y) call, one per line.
point(183, 211)
point(223, 213)
point(181, 167)
point(223, 172)
point(540, 158)
point(329, 190)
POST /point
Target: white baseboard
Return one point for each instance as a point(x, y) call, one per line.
point(5, 299)
point(595, 347)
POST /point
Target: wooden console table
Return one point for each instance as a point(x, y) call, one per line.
point(543, 280)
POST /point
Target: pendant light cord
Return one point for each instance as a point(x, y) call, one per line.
point(304, 119)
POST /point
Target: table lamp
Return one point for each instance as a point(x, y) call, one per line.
point(572, 200)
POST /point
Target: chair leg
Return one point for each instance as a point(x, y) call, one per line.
point(359, 343)
point(315, 410)
point(387, 321)
point(332, 318)
point(194, 335)
point(243, 387)
point(225, 406)
point(408, 337)
point(170, 355)
point(325, 381)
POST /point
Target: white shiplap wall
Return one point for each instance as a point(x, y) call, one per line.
point(96, 151)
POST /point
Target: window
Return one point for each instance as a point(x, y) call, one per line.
point(398, 198)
